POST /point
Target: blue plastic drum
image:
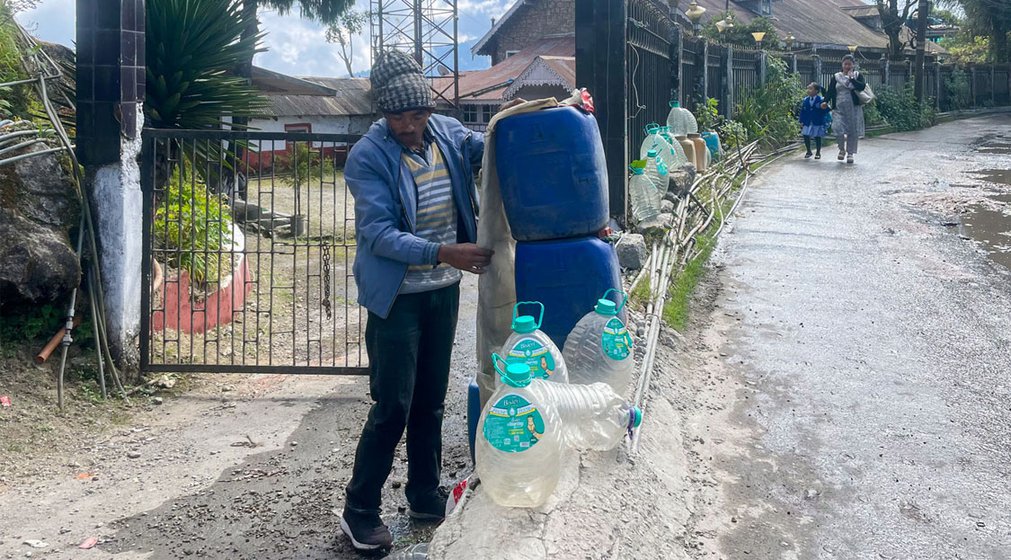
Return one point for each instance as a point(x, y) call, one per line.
point(552, 174)
point(567, 276)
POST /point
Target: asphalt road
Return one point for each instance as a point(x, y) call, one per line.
point(868, 346)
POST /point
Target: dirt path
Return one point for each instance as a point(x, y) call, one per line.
point(255, 471)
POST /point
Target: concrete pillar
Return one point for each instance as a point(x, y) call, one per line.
point(762, 67)
point(817, 69)
point(728, 89)
point(704, 61)
point(110, 91)
point(886, 70)
point(938, 83)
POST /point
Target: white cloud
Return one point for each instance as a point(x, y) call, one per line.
point(52, 21)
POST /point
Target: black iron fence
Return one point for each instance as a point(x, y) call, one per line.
point(635, 59)
point(248, 246)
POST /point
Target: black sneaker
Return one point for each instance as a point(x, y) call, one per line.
point(807, 155)
point(431, 508)
point(366, 531)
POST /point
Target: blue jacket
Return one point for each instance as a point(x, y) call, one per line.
point(386, 204)
point(811, 112)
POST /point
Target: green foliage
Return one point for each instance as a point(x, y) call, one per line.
point(733, 134)
point(768, 112)
point(967, 48)
point(959, 90)
point(741, 34)
point(676, 309)
point(193, 225)
point(343, 32)
point(872, 117)
point(192, 46)
point(304, 164)
point(43, 321)
point(708, 114)
point(900, 109)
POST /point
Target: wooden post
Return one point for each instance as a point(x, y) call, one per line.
point(728, 87)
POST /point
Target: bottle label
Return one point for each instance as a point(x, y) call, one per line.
point(534, 354)
point(617, 342)
point(513, 425)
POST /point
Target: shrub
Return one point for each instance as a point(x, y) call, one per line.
point(959, 91)
point(192, 226)
point(901, 110)
point(768, 113)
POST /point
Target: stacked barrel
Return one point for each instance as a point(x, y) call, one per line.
point(553, 180)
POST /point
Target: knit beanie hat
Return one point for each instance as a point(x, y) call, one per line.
point(399, 84)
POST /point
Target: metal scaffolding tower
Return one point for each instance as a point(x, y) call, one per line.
point(428, 30)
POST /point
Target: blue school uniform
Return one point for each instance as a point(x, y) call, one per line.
point(813, 119)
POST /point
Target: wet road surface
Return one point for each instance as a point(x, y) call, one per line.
point(871, 346)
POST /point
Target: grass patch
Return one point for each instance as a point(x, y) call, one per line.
point(676, 309)
point(640, 295)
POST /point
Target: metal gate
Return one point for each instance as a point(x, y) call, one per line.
point(248, 246)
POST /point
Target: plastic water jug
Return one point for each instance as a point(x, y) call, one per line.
point(567, 276)
point(678, 153)
point(529, 345)
point(701, 151)
point(519, 444)
point(643, 194)
point(713, 143)
point(656, 170)
point(655, 141)
point(593, 416)
point(681, 121)
point(528, 423)
point(600, 348)
point(552, 174)
point(689, 147)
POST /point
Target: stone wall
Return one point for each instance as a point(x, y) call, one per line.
point(532, 22)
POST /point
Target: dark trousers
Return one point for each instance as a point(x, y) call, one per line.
point(817, 141)
point(409, 353)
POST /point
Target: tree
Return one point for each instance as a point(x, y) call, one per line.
point(343, 33)
point(894, 14)
point(990, 18)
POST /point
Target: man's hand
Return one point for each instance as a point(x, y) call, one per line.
point(466, 256)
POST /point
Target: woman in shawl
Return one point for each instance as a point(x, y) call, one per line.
point(848, 114)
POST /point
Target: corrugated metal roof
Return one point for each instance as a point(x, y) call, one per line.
point(346, 97)
point(489, 85)
point(817, 22)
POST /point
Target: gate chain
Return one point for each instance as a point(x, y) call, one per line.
point(325, 253)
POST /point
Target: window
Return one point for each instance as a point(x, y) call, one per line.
point(298, 127)
point(510, 53)
point(470, 113)
point(487, 112)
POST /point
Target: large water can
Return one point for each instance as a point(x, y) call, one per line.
point(552, 174)
point(567, 276)
point(530, 345)
point(600, 348)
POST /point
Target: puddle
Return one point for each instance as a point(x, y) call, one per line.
point(999, 176)
point(991, 227)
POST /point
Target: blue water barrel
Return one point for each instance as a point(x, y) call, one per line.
point(568, 276)
point(713, 143)
point(552, 174)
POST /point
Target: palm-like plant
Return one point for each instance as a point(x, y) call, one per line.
point(192, 47)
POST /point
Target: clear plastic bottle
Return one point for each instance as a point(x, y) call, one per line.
point(519, 444)
point(529, 345)
point(600, 348)
point(656, 141)
point(677, 152)
point(652, 169)
point(593, 416)
point(642, 192)
point(681, 121)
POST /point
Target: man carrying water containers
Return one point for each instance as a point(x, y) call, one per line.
point(412, 181)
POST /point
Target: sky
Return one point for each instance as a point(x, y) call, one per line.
point(294, 46)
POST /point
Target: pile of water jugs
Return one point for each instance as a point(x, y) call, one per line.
point(534, 416)
point(553, 179)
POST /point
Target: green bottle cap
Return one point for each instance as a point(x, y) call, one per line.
point(606, 307)
point(524, 324)
point(651, 154)
point(517, 374)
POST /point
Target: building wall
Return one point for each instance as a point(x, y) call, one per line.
point(532, 22)
point(356, 124)
point(542, 92)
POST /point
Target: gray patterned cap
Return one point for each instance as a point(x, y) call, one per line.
point(398, 83)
